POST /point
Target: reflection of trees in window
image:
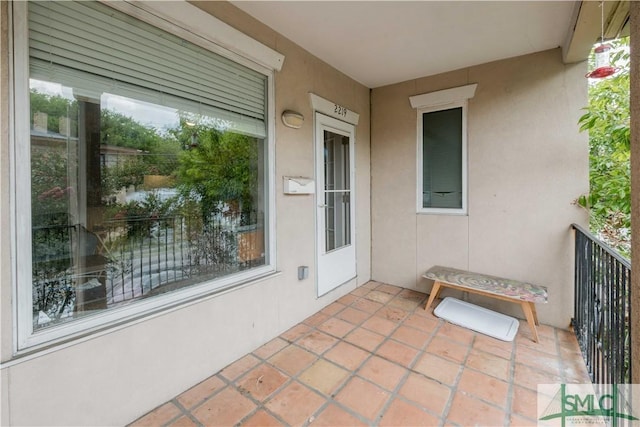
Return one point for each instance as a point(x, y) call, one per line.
point(151, 154)
point(221, 168)
point(174, 206)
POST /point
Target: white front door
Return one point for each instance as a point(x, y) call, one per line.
point(335, 197)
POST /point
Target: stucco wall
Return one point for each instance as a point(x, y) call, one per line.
point(527, 163)
point(113, 377)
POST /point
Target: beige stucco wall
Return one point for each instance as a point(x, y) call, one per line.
point(526, 164)
point(113, 377)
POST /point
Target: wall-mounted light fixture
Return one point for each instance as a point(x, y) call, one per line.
point(292, 119)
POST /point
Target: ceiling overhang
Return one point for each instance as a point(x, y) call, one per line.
point(589, 26)
point(378, 43)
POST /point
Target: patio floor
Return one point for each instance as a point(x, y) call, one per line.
point(376, 357)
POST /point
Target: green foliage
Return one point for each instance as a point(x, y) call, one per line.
point(212, 169)
point(124, 174)
point(56, 107)
point(163, 156)
point(142, 216)
point(49, 184)
point(607, 121)
point(158, 155)
point(49, 191)
point(219, 167)
point(122, 131)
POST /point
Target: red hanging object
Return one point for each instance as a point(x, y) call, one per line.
point(603, 66)
point(602, 72)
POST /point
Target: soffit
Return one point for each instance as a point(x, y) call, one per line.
point(590, 25)
point(384, 42)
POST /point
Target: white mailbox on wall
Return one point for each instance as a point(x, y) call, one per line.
point(298, 185)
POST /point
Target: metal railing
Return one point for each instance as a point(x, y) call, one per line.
point(76, 270)
point(602, 309)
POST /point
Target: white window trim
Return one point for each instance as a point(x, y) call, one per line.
point(438, 101)
point(191, 23)
point(25, 340)
point(443, 97)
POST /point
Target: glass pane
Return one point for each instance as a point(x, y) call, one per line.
point(442, 159)
point(336, 161)
point(337, 191)
point(132, 199)
point(337, 219)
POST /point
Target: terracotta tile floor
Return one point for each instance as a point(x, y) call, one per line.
point(376, 357)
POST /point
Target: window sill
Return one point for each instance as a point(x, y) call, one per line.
point(38, 350)
point(448, 212)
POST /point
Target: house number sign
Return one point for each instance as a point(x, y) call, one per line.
point(340, 110)
point(332, 109)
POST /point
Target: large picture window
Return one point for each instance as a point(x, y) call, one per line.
point(148, 165)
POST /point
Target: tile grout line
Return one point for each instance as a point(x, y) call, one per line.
point(329, 399)
point(261, 405)
point(185, 411)
point(456, 382)
point(387, 337)
point(394, 394)
point(232, 382)
point(396, 303)
point(372, 353)
point(511, 382)
point(563, 373)
point(227, 384)
point(353, 372)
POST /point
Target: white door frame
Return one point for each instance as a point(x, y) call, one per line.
point(337, 266)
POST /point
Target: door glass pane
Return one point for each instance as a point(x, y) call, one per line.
point(336, 161)
point(337, 191)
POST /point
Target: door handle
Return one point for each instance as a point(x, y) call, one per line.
point(322, 206)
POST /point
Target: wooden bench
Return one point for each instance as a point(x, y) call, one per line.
point(526, 294)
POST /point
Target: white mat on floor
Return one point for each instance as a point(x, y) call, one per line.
point(477, 318)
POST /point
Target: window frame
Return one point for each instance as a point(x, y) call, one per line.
point(437, 101)
point(420, 163)
point(250, 53)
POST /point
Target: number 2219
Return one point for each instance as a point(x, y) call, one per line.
point(341, 111)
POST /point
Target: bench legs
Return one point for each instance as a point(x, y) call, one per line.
point(435, 290)
point(535, 314)
point(532, 318)
point(529, 308)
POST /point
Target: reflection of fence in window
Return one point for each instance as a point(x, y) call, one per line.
point(141, 257)
point(52, 290)
point(178, 251)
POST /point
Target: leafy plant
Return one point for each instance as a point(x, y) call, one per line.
point(56, 108)
point(220, 167)
point(607, 121)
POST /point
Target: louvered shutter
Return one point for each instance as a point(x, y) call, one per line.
point(96, 49)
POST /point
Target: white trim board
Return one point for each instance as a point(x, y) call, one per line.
point(443, 97)
point(334, 110)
